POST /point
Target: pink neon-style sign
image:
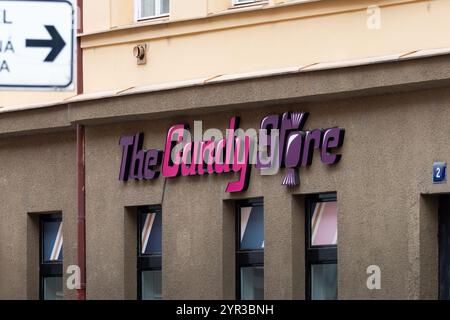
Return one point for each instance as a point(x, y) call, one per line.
point(294, 148)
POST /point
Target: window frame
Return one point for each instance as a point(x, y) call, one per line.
point(246, 257)
point(317, 255)
point(50, 269)
point(158, 7)
point(443, 252)
point(146, 262)
point(238, 3)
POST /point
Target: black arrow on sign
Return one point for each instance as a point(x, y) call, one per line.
point(56, 43)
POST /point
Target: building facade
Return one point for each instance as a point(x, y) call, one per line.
point(359, 93)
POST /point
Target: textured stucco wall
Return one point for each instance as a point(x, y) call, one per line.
point(37, 176)
point(391, 142)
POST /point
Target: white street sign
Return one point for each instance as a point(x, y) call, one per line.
point(37, 44)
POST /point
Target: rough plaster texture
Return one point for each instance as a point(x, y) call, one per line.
point(37, 176)
point(389, 148)
point(387, 204)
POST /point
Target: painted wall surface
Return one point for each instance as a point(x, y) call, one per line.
point(25, 98)
point(207, 38)
point(188, 9)
point(122, 13)
point(262, 39)
point(97, 14)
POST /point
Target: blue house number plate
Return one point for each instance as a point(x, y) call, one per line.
point(439, 172)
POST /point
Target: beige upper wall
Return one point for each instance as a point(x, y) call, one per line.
point(265, 38)
point(102, 15)
point(16, 98)
point(97, 14)
point(206, 38)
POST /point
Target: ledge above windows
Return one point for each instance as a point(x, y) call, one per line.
point(240, 3)
point(160, 10)
point(246, 5)
point(134, 16)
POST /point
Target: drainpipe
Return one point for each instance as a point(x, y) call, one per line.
point(81, 219)
point(81, 196)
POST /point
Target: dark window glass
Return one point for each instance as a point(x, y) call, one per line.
point(53, 288)
point(50, 265)
point(250, 250)
point(151, 284)
point(324, 223)
point(323, 281)
point(149, 253)
point(252, 283)
point(444, 247)
point(52, 240)
point(321, 247)
point(151, 236)
point(251, 228)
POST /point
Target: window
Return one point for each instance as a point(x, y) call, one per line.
point(250, 250)
point(444, 247)
point(321, 247)
point(149, 253)
point(147, 9)
point(50, 266)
